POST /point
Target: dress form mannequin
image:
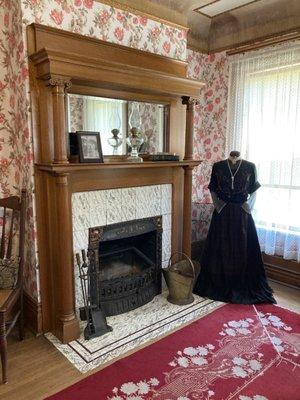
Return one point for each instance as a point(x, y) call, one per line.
point(232, 269)
point(234, 156)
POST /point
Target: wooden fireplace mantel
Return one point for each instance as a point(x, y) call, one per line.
point(73, 167)
point(62, 62)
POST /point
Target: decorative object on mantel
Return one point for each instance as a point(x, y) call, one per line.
point(89, 144)
point(115, 141)
point(135, 140)
point(73, 147)
point(96, 320)
point(163, 157)
point(180, 277)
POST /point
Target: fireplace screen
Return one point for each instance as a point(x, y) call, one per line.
point(128, 258)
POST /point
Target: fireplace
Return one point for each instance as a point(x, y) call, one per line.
point(54, 69)
point(128, 256)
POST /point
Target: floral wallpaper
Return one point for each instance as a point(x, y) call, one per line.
point(210, 130)
point(91, 18)
point(16, 154)
point(87, 17)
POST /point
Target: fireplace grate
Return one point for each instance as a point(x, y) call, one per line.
point(120, 263)
point(128, 258)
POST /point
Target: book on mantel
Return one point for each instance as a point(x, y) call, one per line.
point(163, 157)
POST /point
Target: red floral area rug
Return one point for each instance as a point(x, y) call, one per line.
point(235, 353)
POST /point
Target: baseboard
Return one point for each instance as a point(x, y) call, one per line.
point(33, 314)
point(282, 271)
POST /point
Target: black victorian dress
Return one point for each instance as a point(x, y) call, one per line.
point(232, 269)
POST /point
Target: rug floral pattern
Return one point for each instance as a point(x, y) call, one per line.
point(237, 354)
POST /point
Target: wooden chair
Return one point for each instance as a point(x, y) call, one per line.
point(11, 300)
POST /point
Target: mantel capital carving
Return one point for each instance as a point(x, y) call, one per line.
point(188, 168)
point(190, 102)
point(62, 178)
point(61, 81)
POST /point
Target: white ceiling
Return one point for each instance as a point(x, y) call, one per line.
point(212, 8)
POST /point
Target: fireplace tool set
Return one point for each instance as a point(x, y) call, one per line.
point(91, 312)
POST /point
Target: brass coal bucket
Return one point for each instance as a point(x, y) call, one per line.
point(180, 277)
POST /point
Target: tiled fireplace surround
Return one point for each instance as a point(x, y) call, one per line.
point(106, 207)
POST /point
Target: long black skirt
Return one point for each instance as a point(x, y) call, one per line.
point(232, 268)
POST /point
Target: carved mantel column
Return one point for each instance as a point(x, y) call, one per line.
point(67, 325)
point(189, 126)
point(59, 86)
point(187, 211)
point(188, 174)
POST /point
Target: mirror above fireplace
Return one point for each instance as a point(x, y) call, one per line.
point(114, 118)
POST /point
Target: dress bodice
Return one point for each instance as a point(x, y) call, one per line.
point(244, 183)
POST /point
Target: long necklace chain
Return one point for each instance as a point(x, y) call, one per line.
point(233, 175)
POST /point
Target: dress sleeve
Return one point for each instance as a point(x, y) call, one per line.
point(213, 180)
point(218, 203)
point(254, 184)
point(249, 204)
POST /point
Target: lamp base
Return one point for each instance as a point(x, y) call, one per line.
point(134, 159)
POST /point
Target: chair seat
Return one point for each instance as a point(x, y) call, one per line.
point(4, 295)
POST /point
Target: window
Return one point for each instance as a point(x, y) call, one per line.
point(264, 124)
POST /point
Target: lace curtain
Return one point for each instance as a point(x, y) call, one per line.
point(103, 115)
point(264, 124)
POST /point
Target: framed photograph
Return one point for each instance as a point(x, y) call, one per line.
point(89, 145)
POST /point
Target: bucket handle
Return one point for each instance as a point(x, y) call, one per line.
point(187, 257)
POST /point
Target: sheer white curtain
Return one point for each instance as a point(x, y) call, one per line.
point(264, 124)
point(103, 115)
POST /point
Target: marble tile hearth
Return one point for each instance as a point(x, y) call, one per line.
point(132, 330)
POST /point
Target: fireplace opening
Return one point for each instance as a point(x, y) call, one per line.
point(128, 258)
point(120, 263)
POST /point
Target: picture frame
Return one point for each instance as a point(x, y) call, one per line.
point(89, 146)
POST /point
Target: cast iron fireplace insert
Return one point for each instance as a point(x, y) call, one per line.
point(128, 257)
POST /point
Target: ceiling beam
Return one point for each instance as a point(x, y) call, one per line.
point(151, 10)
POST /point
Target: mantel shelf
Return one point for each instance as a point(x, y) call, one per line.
point(72, 167)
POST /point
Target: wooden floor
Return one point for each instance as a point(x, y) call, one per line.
point(37, 369)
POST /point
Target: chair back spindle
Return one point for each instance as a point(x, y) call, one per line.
point(2, 246)
point(10, 236)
